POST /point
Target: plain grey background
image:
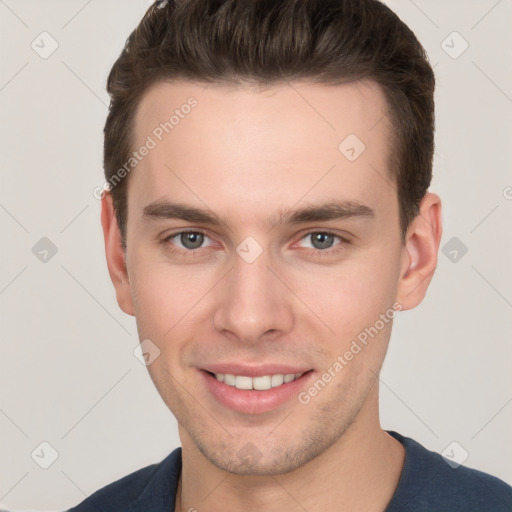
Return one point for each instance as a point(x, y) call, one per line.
point(69, 377)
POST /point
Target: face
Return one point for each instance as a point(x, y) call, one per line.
point(259, 248)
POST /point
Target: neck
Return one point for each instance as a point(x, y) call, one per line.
point(360, 471)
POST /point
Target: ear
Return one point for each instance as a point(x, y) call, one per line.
point(419, 253)
point(115, 254)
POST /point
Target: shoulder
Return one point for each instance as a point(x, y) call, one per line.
point(431, 482)
point(138, 489)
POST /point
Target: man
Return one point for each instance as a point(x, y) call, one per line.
point(267, 166)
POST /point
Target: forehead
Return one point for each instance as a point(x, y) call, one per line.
point(238, 145)
point(301, 108)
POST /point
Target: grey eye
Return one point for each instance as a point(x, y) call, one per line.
point(192, 240)
point(322, 240)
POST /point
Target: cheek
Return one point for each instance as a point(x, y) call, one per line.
point(166, 298)
point(351, 297)
point(150, 297)
point(154, 296)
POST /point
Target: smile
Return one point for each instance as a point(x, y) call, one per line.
point(255, 394)
point(258, 383)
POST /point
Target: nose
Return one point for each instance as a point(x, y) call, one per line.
point(252, 302)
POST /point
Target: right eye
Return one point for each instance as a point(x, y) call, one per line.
point(187, 241)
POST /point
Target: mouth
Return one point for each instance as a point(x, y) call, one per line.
point(255, 394)
point(262, 383)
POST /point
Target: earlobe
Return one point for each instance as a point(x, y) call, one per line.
point(115, 255)
point(419, 254)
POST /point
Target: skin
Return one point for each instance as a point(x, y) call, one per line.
point(246, 155)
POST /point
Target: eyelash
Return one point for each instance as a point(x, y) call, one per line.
point(318, 252)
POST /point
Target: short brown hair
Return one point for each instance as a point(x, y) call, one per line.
point(265, 42)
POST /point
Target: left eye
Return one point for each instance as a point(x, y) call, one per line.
point(321, 240)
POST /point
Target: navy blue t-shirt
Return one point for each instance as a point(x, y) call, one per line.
point(427, 484)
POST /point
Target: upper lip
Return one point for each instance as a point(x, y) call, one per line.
point(255, 370)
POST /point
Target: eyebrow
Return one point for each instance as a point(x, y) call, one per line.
point(334, 210)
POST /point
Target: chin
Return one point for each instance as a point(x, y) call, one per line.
point(265, 458)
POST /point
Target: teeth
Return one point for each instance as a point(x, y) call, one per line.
point(262, 383)
point(229, 379)
point(277, 380)
point(243, 382)
point(259, 383)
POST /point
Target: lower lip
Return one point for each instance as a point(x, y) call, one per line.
point(253, 401)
